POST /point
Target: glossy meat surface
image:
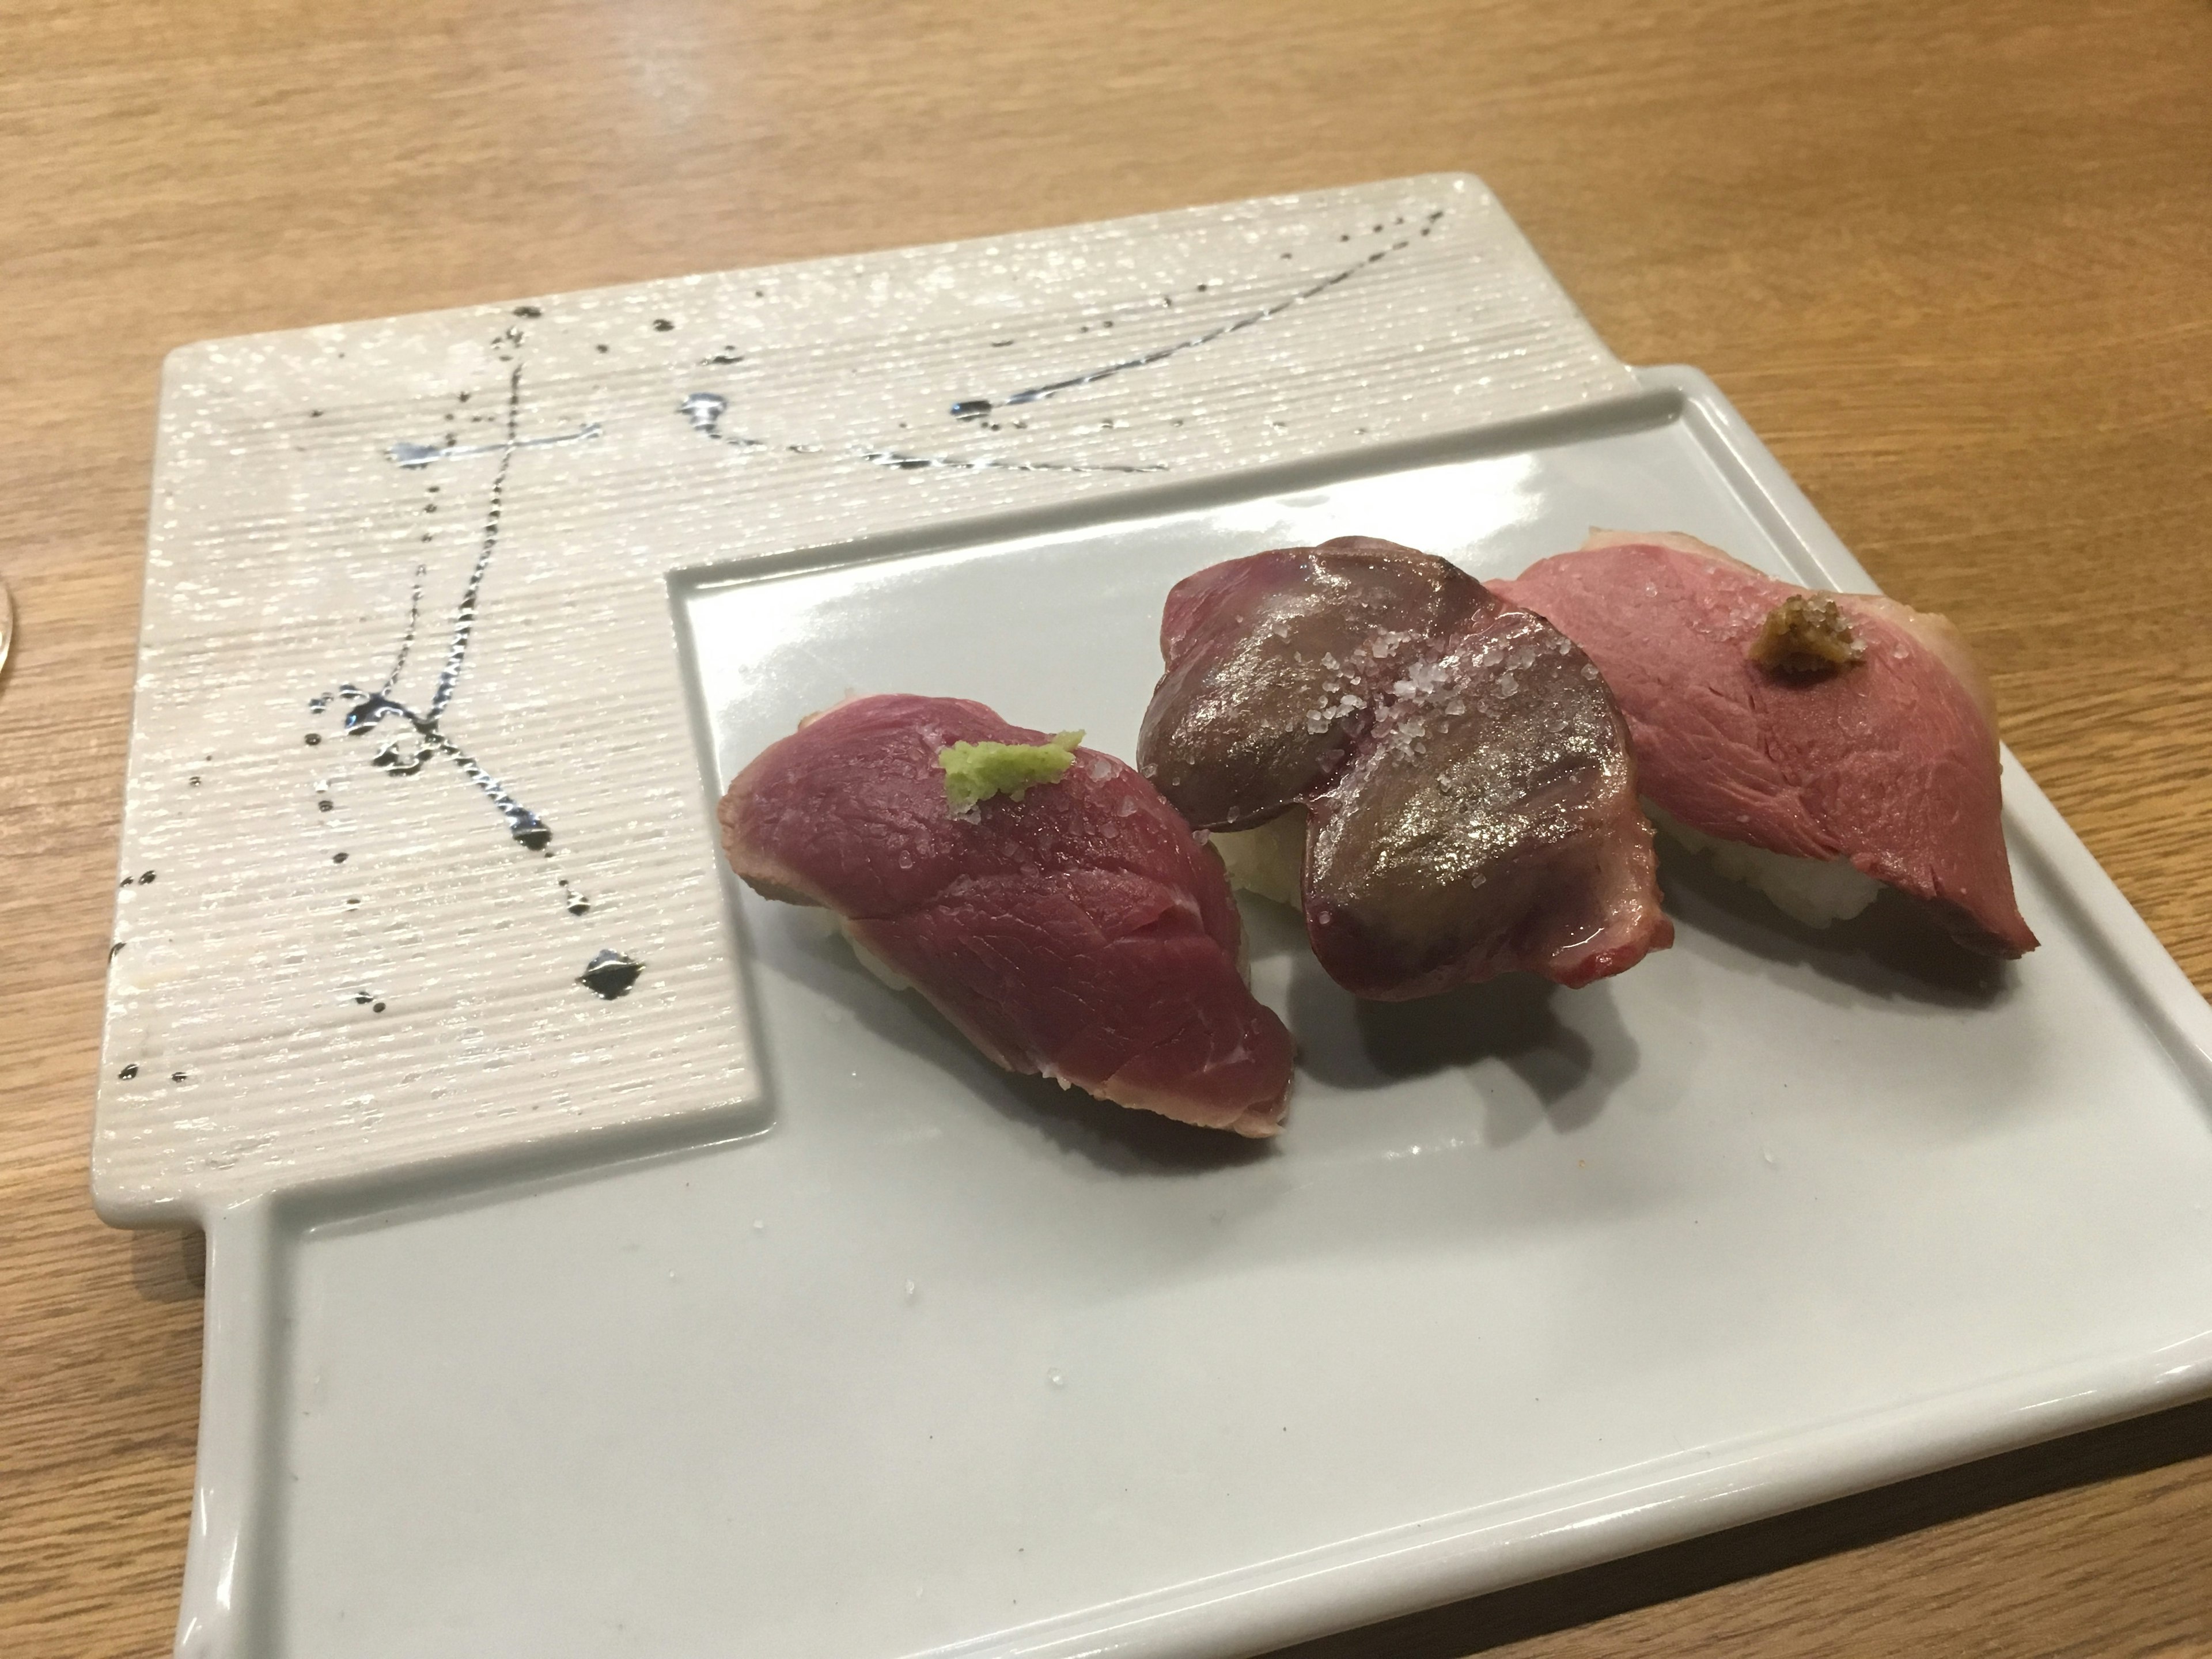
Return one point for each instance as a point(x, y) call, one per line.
point(1275, 664)
point(1890, 763)
point(1488, 823)
point(1472, 802)
point(1082, 932)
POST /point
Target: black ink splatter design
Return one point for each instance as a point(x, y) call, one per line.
point(609, 974)
point(705, 409)
point(414, 455)
point(971, 408)
point(405, 756)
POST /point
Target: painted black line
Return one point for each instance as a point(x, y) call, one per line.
point(704, 410)
point(464, 618)
point(412, 455)
point(971, 408)
point(407, 639)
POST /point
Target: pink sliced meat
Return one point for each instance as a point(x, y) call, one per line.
point(1889, 762)
point(1082, 932)
point(1470, 794)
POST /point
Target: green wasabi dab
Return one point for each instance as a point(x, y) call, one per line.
point(973, 772)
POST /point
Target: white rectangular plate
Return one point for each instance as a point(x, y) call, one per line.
point(952, 1360)
point(943, 1361)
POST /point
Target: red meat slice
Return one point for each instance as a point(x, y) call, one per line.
point(1890, 763)
point(1082, 932)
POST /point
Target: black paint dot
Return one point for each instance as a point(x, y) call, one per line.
point(524, 310)
point(193, 780)
point(661, 326)
point(322, 806)
point(465, 398)
point(129, 1072)
point(313, 738)
point(609, 974)
point(146, 880)
point(126, 881)
point(361, 999)
point(599, 348)
point(115, 949)
point(337, 858)
point(314, 414)
point(376, 1007)
point(176, 1077)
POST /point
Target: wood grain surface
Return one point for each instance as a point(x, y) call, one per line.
point(1953, 260)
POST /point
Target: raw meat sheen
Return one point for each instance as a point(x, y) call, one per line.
point(1470, 798)
point(1889, 762)
point(1082, 932)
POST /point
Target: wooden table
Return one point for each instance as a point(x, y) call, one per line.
point(1953, 260)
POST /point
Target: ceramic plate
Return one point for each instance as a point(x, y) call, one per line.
point(859, 1346)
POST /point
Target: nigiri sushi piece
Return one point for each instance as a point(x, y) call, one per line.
point(1042, 896)
point(1441, 780)
point(1817, 745)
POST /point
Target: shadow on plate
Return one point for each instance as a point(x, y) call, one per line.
point(1527, 1612)
point(1117, 1139)
point(1569, 1048)
point(1892, 949)
point(169, 1266)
